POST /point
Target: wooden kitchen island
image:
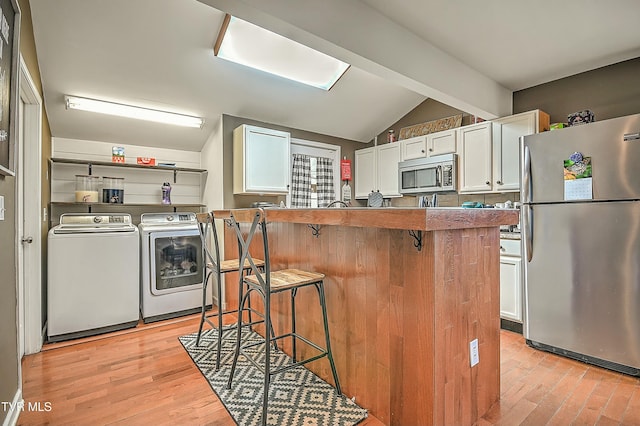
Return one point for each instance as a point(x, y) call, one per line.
point(401, 317)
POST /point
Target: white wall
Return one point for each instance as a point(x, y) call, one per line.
point(211, 160)
point(212, 196)
point(141, 186)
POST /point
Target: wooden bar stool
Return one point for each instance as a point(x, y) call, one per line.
point(216, 267)
point(265, 284)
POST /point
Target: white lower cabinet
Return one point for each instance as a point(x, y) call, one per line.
point(510, 280)
point(376, 169)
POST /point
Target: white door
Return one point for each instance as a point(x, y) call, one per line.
point(316, 150)
point(28, 215)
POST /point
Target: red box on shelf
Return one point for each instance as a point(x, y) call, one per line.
point(146, 161)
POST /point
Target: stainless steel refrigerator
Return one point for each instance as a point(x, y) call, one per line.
point(581, 247)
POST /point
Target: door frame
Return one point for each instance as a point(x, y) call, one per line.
point(311, 145)
point(28, 208)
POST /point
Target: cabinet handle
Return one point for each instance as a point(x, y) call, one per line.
point(502, 248)
point(430, 149)
point(487, 183)
point(422, 151)
point(499, 182)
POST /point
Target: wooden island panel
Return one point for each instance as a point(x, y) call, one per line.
point(400, 319)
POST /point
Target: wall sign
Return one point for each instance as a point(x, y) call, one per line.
point(9, 59)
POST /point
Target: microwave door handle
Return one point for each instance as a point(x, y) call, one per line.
point(438, 176)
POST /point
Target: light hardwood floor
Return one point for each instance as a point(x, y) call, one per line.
point(144, 376)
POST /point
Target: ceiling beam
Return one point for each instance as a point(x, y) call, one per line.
point(359, 35)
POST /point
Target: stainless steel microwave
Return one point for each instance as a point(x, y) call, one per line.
point(432, 174)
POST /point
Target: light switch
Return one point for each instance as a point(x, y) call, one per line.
point(1, 207)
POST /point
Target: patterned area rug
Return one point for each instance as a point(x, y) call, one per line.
point(296, 396)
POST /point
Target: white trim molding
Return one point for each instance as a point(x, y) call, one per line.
point(15, 407)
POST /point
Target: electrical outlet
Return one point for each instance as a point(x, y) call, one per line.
point(44, 214)
point(473, 352)
point(1, 207)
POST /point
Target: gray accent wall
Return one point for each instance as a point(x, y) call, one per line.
point(611, 91)
point(229, 123)
point(8, 296)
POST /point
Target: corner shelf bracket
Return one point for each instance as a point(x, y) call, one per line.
point(315, 230)
point(417, 235)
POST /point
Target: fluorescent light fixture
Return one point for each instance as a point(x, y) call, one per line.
point(130, 111)
point(247, 44)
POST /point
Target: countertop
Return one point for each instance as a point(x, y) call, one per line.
point(410, 218)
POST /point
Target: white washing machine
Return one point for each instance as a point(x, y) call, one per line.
point(93, 275)
point(172, 266)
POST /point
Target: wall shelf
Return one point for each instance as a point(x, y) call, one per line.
point(142, 187)
point(136, 166)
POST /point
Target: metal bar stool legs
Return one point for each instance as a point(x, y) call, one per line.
point(265, 284)
point(215, 268)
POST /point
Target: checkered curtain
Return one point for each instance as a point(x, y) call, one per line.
point(301, 181)
point(325, 191)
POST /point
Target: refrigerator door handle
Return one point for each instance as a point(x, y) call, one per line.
point(526, 176)
point(527, 224)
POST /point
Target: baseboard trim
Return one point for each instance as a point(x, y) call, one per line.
point(516, 327)
point(15, 408)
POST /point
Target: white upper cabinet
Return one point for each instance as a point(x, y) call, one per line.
point(365, 172)
point(260, 160)
point(415, 147)
point(443, 142)
point(439, 143)
point(376, 169)
point(506, 166)
point(490, 152)
point(388, 159)
point(475, 142)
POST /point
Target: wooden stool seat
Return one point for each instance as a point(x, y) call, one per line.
point(232, 265)
point(287, 278)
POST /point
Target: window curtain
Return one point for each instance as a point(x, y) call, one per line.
point(301, 181)
point(325, 190)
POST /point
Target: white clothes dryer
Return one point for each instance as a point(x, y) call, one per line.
point(172, 266)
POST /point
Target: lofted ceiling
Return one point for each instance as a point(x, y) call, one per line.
point(158, 53)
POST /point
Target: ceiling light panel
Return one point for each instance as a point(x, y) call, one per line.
point(247, 44)
point(130, 111)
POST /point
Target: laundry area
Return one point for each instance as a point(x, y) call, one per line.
point(116, 264)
